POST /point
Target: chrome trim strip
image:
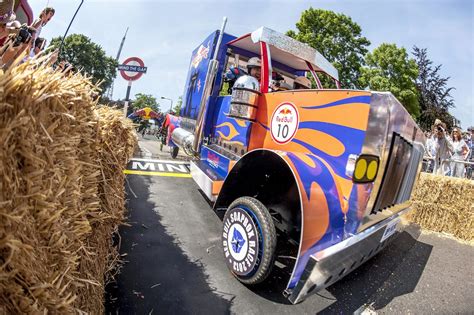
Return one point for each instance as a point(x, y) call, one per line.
point(356, 238)
point(203, 181)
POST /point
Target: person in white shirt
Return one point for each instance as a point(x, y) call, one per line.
point(45, 16)
point(460, 153)
point(429, 152)
point(443, 149)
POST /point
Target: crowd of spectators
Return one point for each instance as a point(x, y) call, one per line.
point(19, 42)
point(449, 154)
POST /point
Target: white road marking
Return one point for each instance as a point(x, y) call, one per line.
point(143, 148)
point(159, 161)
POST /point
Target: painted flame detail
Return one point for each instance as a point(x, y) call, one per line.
point(231, 131)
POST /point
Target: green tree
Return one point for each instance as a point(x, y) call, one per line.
point(145, 100)
point(337, 38)
point(87, 56)
point(434, 95)
point(389, 69)
point(177, 107)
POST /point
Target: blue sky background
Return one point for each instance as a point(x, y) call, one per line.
point(164, 33)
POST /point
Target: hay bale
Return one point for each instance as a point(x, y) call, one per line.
point(61, 190)
point(444, 204)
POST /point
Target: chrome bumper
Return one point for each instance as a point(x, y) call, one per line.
point(333, 263)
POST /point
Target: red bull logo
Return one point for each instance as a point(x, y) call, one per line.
point(146, 113)
point(285, 111)
point(285, 115)
point(213, 159)
point(284, 123)
point(201, 54)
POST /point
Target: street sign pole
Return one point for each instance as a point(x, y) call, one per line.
point(131, 69)
point(127, 98)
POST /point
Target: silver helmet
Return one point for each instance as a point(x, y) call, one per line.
point(247, 82)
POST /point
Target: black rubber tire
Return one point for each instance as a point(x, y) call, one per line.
point(267, 239)
point(174, 152)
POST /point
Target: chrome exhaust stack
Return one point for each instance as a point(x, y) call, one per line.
point(210, 77)
point(183, 139)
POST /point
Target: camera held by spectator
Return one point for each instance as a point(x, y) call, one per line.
point(25, 33)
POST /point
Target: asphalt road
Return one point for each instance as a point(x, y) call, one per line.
point(175, 265)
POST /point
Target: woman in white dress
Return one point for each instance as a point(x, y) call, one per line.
point(460, 153)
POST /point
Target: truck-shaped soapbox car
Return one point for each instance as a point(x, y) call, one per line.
point(316, 179)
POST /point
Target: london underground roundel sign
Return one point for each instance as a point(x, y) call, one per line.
point(132, 68)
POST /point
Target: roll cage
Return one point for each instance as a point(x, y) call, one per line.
point(277, 50)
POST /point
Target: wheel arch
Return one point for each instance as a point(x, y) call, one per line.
point(266, 176)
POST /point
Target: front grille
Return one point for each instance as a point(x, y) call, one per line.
point(400, 174)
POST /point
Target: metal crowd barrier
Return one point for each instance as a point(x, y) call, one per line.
point(469, 173)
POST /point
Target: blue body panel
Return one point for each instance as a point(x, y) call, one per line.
point(217, 162)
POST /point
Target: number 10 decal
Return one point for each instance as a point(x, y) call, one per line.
point(284, 123)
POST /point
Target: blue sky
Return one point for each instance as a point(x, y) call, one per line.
point(164, 33)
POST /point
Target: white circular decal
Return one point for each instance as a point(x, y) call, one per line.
point(284, 124)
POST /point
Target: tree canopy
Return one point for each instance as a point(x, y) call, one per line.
point(177, 107)
point(434, 95)
point(145, 100)
point(337, 38)
point(87, 56)
point(390, 69)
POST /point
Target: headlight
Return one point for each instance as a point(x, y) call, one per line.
point(366, 169)
point(350, 166)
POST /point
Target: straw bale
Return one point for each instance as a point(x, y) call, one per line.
point(61, 190)
point(444, 204)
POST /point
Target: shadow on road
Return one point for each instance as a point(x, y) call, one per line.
point(157, 277)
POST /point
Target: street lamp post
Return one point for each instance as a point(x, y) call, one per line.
point(169, 99)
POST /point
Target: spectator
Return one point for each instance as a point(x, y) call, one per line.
point(45, 16)
point(16, 44)
point(470, 145)
point(460, 153)
point(429, 152)
point(442, 148)
point(7, 16)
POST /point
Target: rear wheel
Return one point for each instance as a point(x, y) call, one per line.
point(249, 240)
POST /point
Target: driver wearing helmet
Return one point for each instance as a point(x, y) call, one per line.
point(254, 67)
point(302, 83)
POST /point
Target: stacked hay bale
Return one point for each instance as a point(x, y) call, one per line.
point(444, 204)
point(61, 190)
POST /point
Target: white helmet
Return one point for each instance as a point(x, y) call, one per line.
point(302, 81)
point(254, 62)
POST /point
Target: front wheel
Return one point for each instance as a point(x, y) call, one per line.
point(249, 240)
